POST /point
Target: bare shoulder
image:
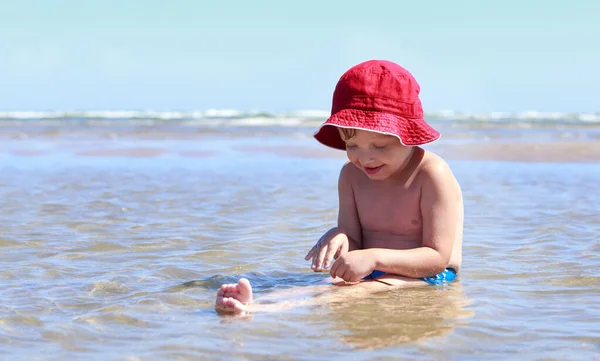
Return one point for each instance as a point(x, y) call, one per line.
point(349, 172)
point(435, 171)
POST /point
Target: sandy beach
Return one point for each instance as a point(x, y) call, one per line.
point(501, 143)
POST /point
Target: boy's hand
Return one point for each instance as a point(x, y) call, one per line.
point(332, 244)
point(353, 266)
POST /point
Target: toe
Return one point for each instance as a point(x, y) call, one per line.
point(220, 303)
point(234, 305)
point(231, 294)
point(228, 287)
point(245, 290)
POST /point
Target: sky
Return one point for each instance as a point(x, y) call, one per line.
point(476, 56)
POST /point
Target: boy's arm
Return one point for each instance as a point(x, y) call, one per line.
point(440, 199)
point(348, 222)
point(347, 236)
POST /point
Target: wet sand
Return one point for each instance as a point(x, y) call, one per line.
point(543, 143)
point(557, 151)
point(586, 152)
point(504, 151)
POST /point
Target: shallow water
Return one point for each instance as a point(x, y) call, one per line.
point(110, 253)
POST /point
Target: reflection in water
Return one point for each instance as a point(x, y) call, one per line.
point(400, 316)
point(368, 320)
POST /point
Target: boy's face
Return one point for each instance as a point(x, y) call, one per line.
point(378, 155)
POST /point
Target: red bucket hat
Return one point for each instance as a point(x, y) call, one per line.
point(379, 96)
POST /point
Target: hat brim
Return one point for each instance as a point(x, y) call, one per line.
point(410, 132)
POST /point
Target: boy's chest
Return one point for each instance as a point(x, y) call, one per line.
point(390, 209)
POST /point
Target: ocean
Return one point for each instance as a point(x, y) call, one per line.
point(117, 229)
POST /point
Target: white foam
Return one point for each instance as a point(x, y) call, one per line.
point(293, 118)
point(219, 113)
point(311, 113)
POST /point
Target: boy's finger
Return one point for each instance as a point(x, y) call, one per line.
point(342, 273)
point(334, 268)
point(329, 255)
point(310, 253)
point(315, 259)
point(344, 248)
point(320, 257)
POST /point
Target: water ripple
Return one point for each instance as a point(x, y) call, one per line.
point(121, 260)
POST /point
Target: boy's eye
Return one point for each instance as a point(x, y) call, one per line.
point(351, 146)
point(379, 146)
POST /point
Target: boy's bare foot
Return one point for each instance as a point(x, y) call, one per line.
point(234, 298)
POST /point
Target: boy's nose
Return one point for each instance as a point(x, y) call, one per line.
point(365, 158)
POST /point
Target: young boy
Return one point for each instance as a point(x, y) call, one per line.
point(400, 217)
